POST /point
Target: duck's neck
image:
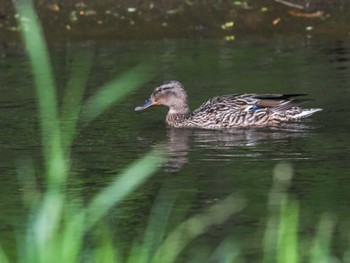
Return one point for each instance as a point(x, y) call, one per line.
point(176, 116)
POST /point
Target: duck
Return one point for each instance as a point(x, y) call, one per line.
point(227, 111)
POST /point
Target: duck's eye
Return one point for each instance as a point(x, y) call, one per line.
point(170, 93)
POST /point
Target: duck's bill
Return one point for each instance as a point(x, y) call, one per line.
point(147, 104)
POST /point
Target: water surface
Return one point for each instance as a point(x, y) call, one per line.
point(204, 166)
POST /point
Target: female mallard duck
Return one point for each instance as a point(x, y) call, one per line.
point(226, 111)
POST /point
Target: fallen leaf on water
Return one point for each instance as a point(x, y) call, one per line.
point(276, 21)
point(318, 14)
point(53, 7)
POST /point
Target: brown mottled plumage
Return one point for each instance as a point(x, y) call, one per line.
point(228, 111)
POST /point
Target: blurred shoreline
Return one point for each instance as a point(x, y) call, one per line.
point(182, 19)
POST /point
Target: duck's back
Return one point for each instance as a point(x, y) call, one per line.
point(228, 111)
point(246, 109)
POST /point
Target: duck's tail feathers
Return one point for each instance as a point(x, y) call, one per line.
point(289, 104)
point(306, 113)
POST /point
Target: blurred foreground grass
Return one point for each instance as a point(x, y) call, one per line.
point(55, 231)
point(59, 224)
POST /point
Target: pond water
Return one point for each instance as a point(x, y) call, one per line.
point(204, 166)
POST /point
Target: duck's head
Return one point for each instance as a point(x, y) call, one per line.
point(171, 94)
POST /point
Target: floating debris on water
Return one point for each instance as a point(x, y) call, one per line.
point(229, 38)
point(227, 25)
point(276, 21)
point(131, 9)
point(73, 16)
point(53, 7)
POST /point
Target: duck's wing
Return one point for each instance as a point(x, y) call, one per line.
point(279, 102)
point(274, 102)
point(219, 103)
point(277, 96)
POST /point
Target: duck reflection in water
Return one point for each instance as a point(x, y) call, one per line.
point(228, 145)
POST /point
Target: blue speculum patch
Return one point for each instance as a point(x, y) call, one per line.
point(255, 107)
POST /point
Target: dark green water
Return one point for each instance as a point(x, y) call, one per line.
point(204, 166)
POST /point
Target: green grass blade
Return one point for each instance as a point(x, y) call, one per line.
point(124, 184)
point(46, 92)
point(3, 257)
point(195, 226)
point(227, 252)
point(72, 237)
point(287, 248)
point(47, 220)
point(73, 96)
point(105, 251)
point(320, 252)
point(282, 176)
point(157, 224)
point(115, 90)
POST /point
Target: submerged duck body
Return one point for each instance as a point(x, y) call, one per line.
point(227, 111)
